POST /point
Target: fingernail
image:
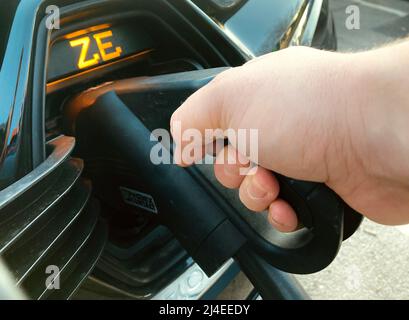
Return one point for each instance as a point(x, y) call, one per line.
point(242, 159)
point(255, 191)
point(276, 219)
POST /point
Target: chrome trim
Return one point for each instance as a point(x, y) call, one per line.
point(179, 288)
point(123, 293)
point(229, 36)
point(304, 33)
point(14, 86)
point(192, 284)
point(62, 147)
point(300, 28)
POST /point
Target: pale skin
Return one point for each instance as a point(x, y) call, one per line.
point(340, 119)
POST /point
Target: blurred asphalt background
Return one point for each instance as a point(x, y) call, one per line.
point(374, 263)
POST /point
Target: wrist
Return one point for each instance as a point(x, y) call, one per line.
point(381, 82)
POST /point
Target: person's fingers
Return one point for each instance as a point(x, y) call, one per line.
point(201, 111)
point(259, 190)
point(227, 167)
point(282, 216)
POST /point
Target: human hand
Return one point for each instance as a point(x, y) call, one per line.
point(339, 119)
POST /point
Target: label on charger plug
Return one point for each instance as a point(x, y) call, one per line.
point(138, 199)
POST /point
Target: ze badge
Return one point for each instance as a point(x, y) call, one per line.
point(103, 46)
